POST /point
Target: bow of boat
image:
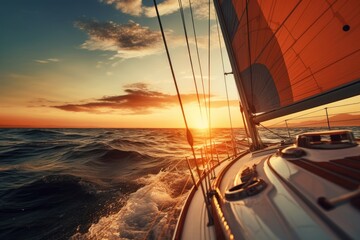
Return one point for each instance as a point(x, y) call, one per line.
point(282, 192)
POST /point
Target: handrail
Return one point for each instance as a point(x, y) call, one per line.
point(301, 116)
point(181, 221)
point(323, 120)
point(180, 225)
point(222, 228)
point(183, 213)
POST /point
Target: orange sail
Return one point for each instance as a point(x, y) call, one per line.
point(292, 55)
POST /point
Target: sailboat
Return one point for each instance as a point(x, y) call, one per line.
point(285, 57)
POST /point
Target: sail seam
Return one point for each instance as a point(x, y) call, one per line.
point(274, 34)
point(321, 69)
point(292, 45)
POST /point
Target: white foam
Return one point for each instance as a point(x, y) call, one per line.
point(148, 211)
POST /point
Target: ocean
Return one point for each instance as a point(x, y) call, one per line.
point(100, 183)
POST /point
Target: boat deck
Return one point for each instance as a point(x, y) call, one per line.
point(196, 220)
point(287, 208)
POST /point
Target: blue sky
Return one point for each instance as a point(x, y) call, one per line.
point(101, 63)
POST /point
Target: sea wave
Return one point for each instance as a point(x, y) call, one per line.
point(36, 133)
point(36, 205)
point(149, 213)
point(57, 206)
point(97, 183)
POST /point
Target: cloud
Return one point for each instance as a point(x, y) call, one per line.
point(132, 7)
point(201, 9)
point(136, 8)
point(53, 60)
point(49, 60)
point(166, 7)
point(138, 99)
point(129, 40)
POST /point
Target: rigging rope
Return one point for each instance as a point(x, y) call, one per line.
point(189, 53)
point(344, 105)
point(201, 73)
point(171, 67)
point(188, 133)
point(190, 59)
point(274, 132)
point(302, 116)
point(198, 57)
point(209, 77)
point(226, 88)
point(192, 69)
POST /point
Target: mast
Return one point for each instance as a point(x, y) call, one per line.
point(252, 130)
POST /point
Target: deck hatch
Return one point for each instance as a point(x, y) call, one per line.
point(336, 171)
point(343, 172)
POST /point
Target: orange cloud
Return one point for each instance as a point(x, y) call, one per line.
point(137, 100)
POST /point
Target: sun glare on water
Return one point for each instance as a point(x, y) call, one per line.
point(201, 124)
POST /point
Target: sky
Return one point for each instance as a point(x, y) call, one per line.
point(102, 63)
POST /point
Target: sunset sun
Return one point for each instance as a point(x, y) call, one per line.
point(201, 124)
